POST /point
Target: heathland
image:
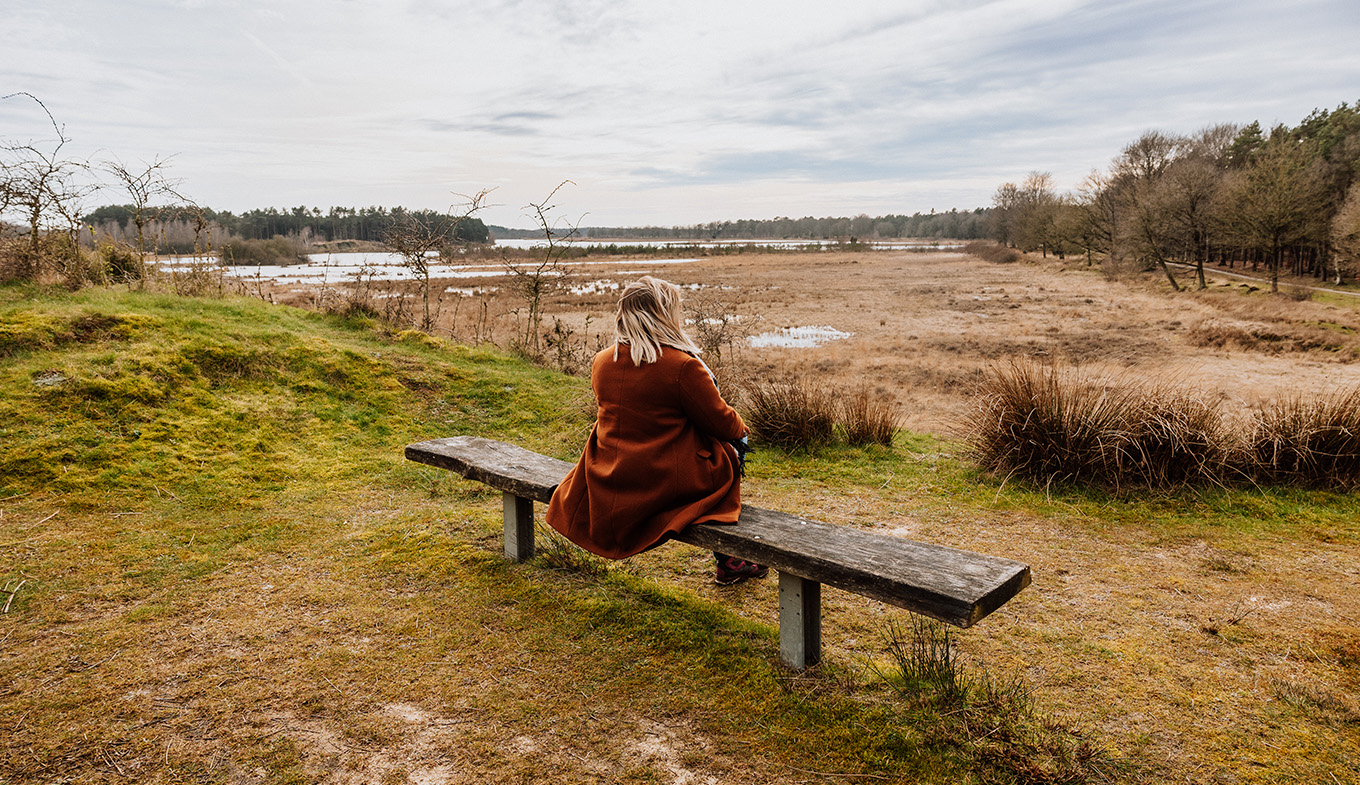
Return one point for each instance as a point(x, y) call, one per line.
point(219, 568)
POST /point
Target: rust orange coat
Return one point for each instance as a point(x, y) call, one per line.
point(655, 461)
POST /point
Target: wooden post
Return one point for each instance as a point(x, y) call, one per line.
point(800, 621)
point(519, 527)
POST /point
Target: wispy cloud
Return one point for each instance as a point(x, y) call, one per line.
point(283, 63)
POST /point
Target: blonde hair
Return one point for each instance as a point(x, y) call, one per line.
point(648, 318)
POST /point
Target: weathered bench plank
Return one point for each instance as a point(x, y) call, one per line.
point(505, 467)
point(954, 586)
point(959, 587)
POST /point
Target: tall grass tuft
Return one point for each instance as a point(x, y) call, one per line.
point(556, 552)
point(794, 414)
point(927, 663)
point(1177, 437)
point(991, 721)
point(868, 418)
point(1048, 425)
point(1310, 442)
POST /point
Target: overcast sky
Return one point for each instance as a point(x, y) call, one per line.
point(660, 111)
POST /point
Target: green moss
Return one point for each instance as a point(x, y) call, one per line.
point(222, 401)
point(33, 330)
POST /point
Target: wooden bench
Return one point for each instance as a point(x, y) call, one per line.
point(953, 586)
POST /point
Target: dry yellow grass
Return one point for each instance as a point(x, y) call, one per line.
point(926, 326)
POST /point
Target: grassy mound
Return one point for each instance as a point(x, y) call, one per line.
point(230, 401)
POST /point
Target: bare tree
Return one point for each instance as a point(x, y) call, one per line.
point(420, 237)
point(1140, 170)
point(1149, 155)
point(1345, 232)
point(43, 186)
point(1188, 197)
point(536, 280)
point(1037, 208)
point(1277, 200)
point(1191, 191)
point(144, 184)
point(1097, 213)
point(1005, 212)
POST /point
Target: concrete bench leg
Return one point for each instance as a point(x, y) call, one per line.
point(800, 621)
point(519, 527)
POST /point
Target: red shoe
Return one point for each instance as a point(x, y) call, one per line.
point(733, 570)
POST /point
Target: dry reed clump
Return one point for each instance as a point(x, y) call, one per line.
point(868, 418)
point(794, 414)
point(1264, 338)
point(1309, 442)
point(991, 252)
point(801, 413)
point(1049, 425)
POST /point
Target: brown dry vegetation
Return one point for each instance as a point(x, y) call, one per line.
point(927, 326)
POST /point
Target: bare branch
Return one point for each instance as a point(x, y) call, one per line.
point(143, 185)
point(534, 282)
point(420, 236)
point(61, 135)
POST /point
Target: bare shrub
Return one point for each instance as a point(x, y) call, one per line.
point(122, 262)
point(718, 327)
point(868, 417)
point(1048, 425)
point(1311, 442)
point(365, 296)
point(794, 414)
point(280, 251)
point(534, 281)
point(567, 351)
point(198, 278)
point(81, 267)
point(991, 252)
point(421, 236)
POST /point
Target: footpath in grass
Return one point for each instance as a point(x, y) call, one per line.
point(217, 567)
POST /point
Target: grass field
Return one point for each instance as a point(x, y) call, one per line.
point(218, 568)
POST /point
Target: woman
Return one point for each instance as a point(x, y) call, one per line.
point(657, 459)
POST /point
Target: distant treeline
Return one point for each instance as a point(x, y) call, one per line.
point(1283, 200)
point(955, 224)
point(173, 226)
point(181, 229)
